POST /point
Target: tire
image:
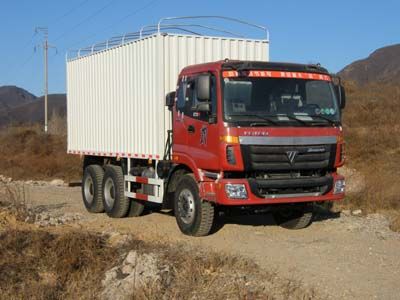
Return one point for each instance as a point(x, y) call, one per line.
point(92, 183)
point(136, 208)
point(296, 216)
point(193, 216)
point(115, 203)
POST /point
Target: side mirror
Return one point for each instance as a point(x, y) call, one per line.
point(170, 100)
point(203, 107)
point(339, 90)
point(342, 97)
point(203, 87)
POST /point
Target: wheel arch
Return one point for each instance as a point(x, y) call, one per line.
point(174, 175)
point(92, 160)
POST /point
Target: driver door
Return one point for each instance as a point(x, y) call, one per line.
point(196, 132)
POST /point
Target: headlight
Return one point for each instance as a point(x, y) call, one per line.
point(339, 186)
point(236, 191)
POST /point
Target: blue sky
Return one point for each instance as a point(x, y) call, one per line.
point(333, 33)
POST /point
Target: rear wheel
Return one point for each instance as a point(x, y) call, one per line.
point(92, 188)
point(194, 216)
point(115, 203)
point(296, 216)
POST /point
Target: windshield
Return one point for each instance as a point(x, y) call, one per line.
point(255, 101)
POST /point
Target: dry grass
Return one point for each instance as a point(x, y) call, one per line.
point(41, 264)
point(28, 153)
point(372, 129)
point(200, 275)
point(38, 264)
point(65, 263)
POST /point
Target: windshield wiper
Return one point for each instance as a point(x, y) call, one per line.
point(259, 124)
point(324, 118)
point(294, 118)
point(265, 118)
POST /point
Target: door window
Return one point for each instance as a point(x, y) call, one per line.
point(180, 105)
point(187, 99)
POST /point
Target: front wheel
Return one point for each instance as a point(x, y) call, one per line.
point(194, 216)
point(295, 216)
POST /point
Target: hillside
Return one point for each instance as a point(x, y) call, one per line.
point(33, 112)
point(382, 66)
point(12, 96)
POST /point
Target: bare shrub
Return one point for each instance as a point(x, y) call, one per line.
point(57, 124)
point(14, 198)
point(395, 226)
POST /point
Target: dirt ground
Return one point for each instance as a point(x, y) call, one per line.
point(340, 256)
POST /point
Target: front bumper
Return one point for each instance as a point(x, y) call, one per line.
point(215, 192)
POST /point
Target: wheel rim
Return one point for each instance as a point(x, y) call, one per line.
point(89, 189)
point(186, 206)
point(109, 192)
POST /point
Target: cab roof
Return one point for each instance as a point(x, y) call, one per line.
point(242, 65)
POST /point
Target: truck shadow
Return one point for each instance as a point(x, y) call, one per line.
point(249, 220)
point(321, 214)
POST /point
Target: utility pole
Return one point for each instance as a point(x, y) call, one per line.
point(46, 47)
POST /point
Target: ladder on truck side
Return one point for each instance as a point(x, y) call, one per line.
point(157, 187)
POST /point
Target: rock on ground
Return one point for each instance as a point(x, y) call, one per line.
point(57, 182)
point(137, 270)
point(45, 219)
point(4, 179)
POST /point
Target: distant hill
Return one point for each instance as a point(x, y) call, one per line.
point(382, 66)
point(12, 96)
point(33, 111)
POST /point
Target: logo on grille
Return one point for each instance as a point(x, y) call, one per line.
point(291, 155)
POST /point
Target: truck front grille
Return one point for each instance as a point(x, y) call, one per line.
point(289, 170)
point(270, 187)
point(286, 159)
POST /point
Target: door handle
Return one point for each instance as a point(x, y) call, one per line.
point(191, 129)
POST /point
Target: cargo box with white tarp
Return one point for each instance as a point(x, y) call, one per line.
point(116, 90)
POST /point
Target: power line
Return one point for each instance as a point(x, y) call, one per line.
point(70, 11)
point(18, 67)
point(30, 41)
point(28, 59)
point(134, 13)
point(85, 20)
point(12, 68)
point(104, 29)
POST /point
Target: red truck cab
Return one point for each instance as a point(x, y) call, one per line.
point(251, 134)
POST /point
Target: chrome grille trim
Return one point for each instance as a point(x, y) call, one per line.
point(287, 141)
